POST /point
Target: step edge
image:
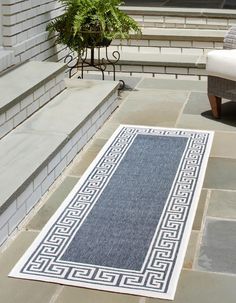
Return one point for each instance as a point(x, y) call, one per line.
point(27, 92)
point(67, 137)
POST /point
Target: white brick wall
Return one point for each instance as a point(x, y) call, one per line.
point(24, 28)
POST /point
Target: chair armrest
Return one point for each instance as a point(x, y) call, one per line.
point(230, 39)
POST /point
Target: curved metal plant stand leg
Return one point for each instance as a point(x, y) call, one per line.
point(82, 61)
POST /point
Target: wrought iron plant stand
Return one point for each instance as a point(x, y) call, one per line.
point(100, 63)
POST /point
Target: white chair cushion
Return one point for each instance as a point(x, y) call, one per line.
point(222, 63)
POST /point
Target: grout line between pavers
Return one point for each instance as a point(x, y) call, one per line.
point(74, 176)
point(136, 86)
point(182, 109)
point(212, 272)
point(221, 218)
point(56, 294)
point(219, 189)
point(200, 235)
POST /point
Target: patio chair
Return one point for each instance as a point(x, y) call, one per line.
point(221, 71)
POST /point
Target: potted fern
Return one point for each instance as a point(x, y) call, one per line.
point(92, 23)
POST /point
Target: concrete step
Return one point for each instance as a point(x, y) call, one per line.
point(175, 53)
point(27, 88)
point(182, 17)
point(164, 40)
point(178, 66)
point(34, 154)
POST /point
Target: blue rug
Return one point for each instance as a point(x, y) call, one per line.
point(126, 224)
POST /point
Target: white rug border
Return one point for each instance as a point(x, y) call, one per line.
point(15, 272)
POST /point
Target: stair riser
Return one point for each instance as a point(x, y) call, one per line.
point(166, 46)
point(33, 190)
point(169, 72)
point(189, 24)
point(30, 102)
point(175, 17)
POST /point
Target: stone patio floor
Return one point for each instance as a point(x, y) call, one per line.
point(209, 271)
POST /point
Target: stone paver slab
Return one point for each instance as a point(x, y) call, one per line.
point(220, 174)
point(157, 59)
point(224, 145)
point(75, 294)
point(222, 204)
point(14, 290)
point(200, 210)
point(52, 203)
point(195, 287)
point(71, 108)
point(217, 251)
point(81, 165)
point(108, 129)
point(158, 107)
point(190, 253)
point(204, 122)
point(16, 167)
point(173, 84)
point(197, 104)
point(85, 158)
point(130, 82)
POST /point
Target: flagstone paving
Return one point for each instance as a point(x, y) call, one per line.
point(209, 270)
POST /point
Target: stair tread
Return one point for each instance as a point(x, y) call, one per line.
point(184, 34)
point(25, 150)
point(159, 59)
point(24, 78)
point(179, 11)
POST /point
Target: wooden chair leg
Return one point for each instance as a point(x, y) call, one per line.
point(215, 103)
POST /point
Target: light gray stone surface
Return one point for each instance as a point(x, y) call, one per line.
point(35, 141)
point(220, 174)
point(191, 250)
point(70, 109)
point(161, 59)
point(173, 84)
point(183, 34)
point(222, 204)
point(53, 202)
point(160, 107)
point(224, 145)
point(177, 11)
point(205, 122)
point(198, 220)
point(217, 251)
point(70, 295)
point(21, 155)
point(87, 156)
point(14, 290)
point(23, 79)
point(197, 104)
point(196, 287)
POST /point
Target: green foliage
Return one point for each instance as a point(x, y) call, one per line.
point(87, 23)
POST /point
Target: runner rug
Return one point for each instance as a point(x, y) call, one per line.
point(126, 224)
